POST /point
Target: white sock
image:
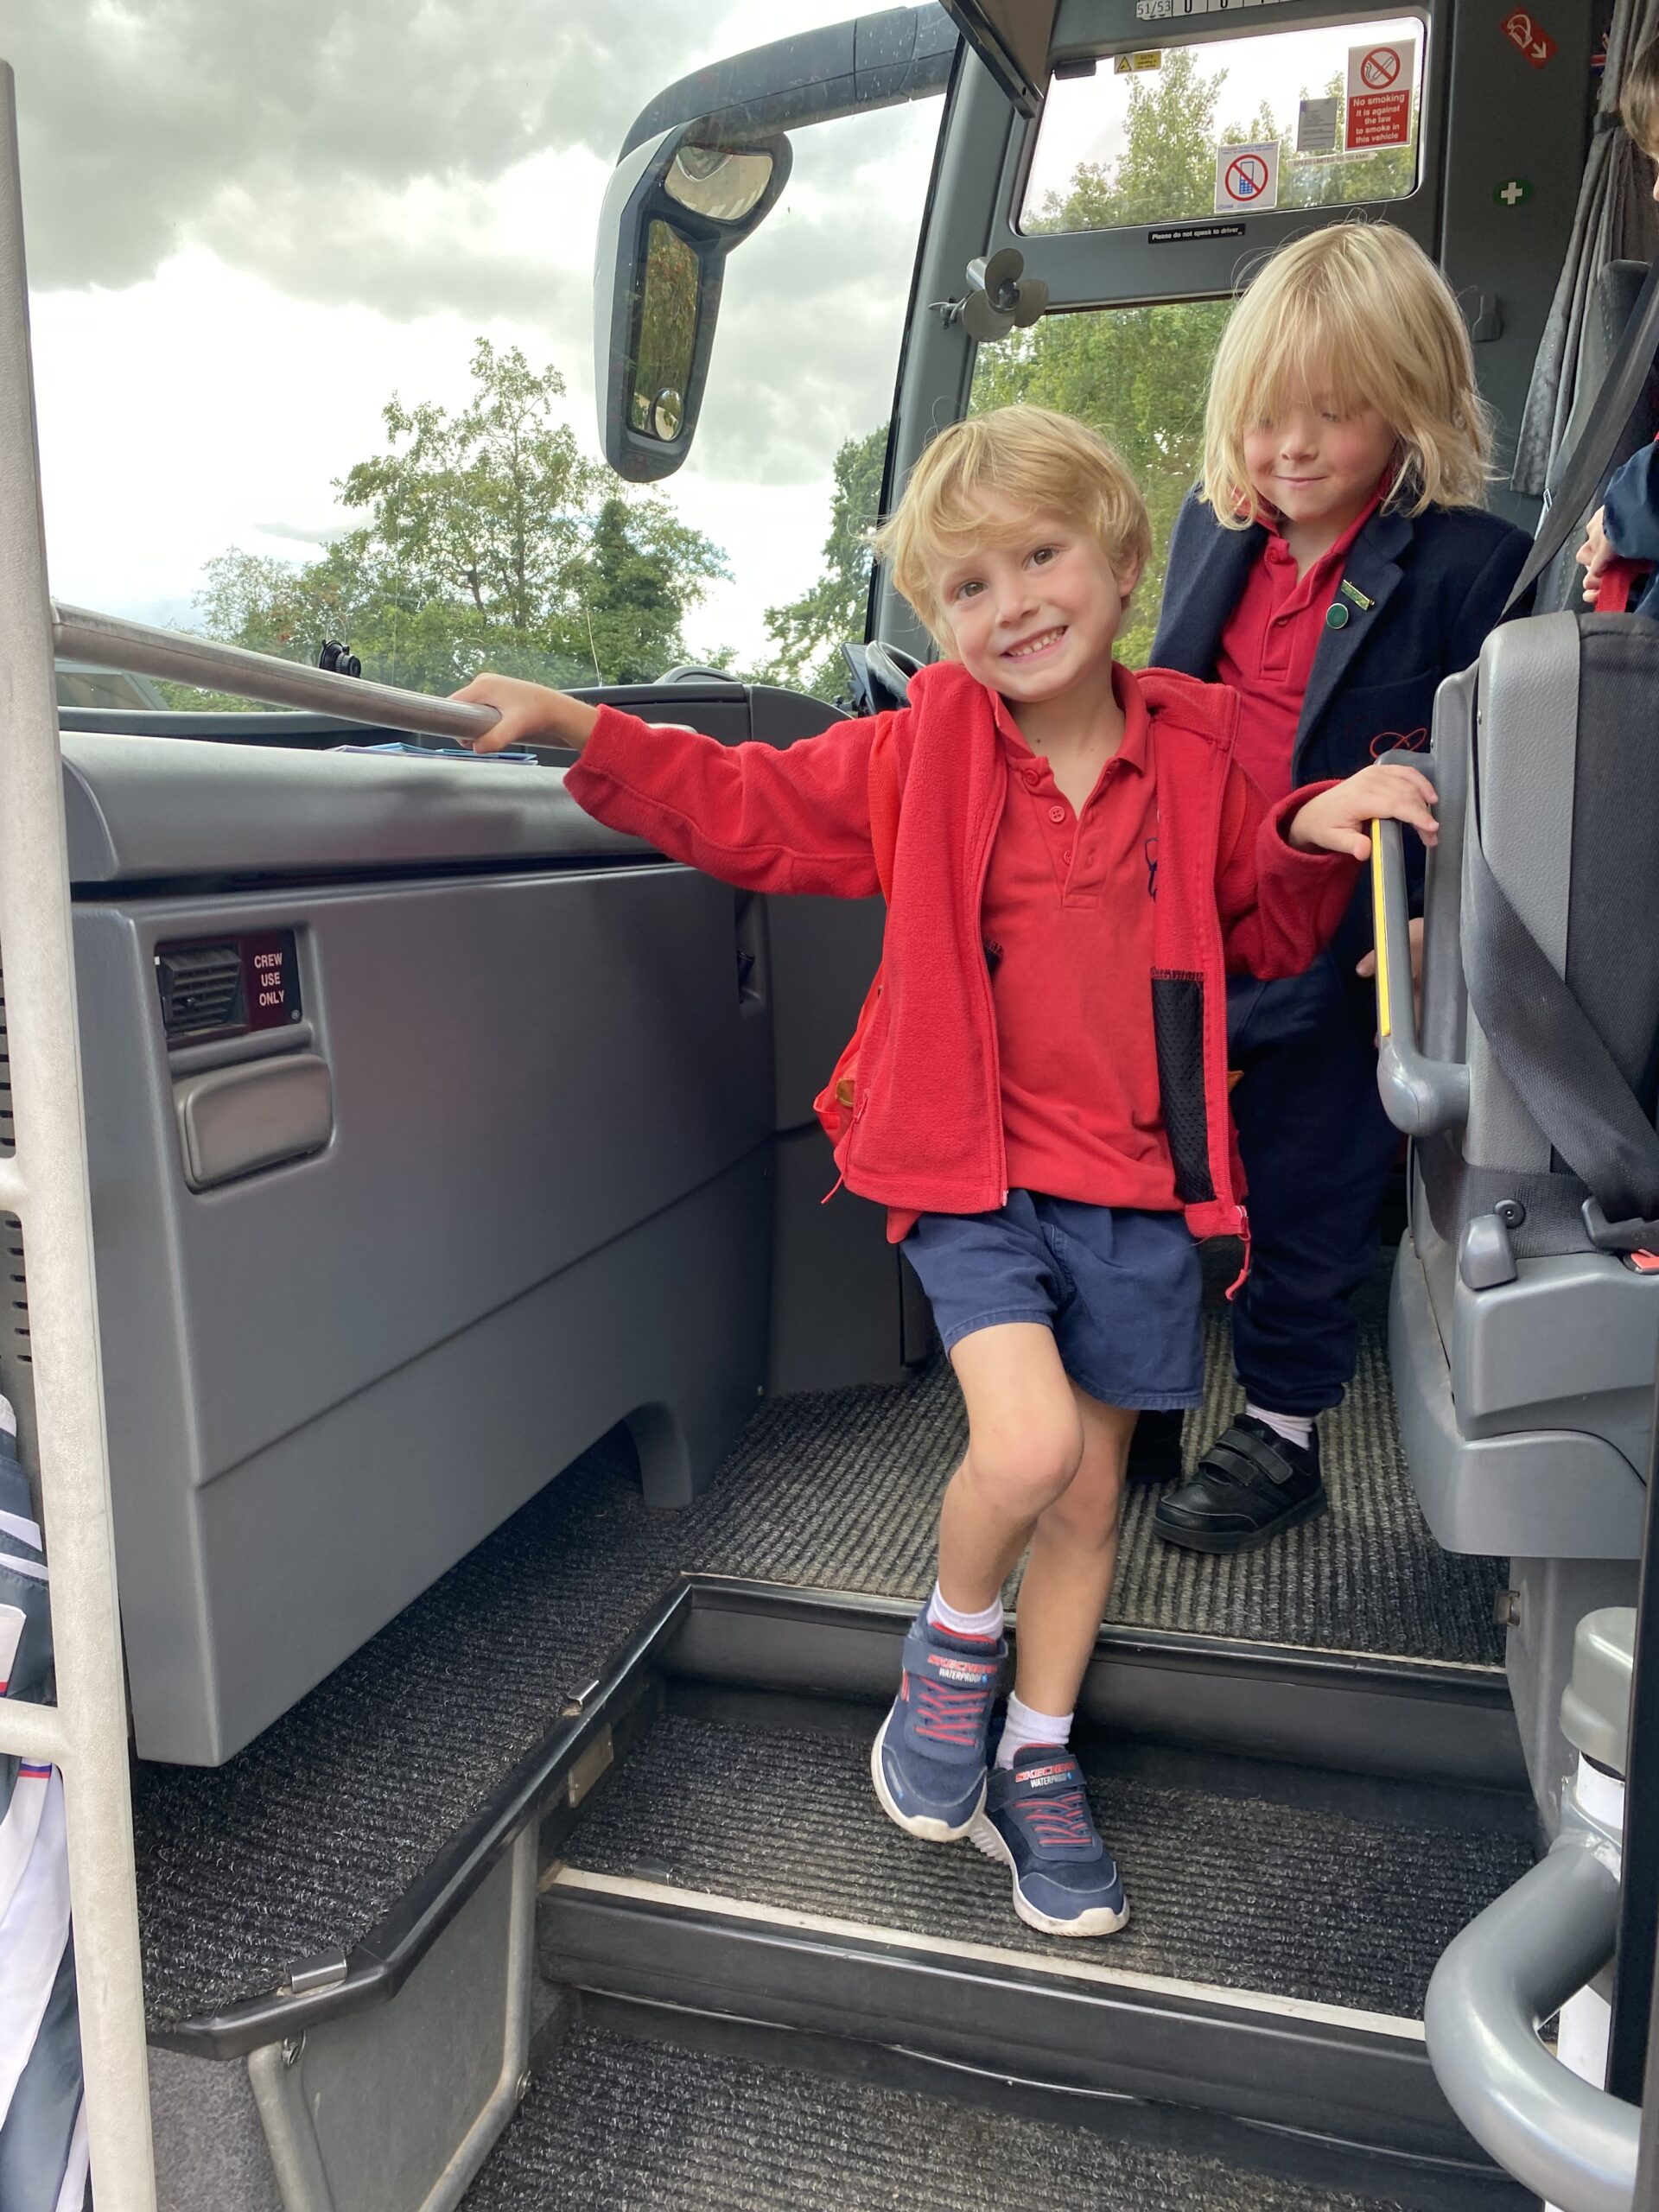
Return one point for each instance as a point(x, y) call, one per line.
point(1295, 1428)
point(989, 1622)
point(1025, 1725)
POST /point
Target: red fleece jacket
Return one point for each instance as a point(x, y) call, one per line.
point(925, 1134)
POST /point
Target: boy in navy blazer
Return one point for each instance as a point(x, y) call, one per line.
point(1334, 566)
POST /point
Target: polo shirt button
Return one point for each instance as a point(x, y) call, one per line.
point(1065, 857)
point(1057, 814)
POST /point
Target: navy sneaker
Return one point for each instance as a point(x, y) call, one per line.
point(1037, 1822)
point(928, 1762)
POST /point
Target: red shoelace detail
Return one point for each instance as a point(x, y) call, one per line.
point(949, 1715)
point(1056, 1820)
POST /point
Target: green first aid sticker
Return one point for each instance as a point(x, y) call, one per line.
point(1514, 191)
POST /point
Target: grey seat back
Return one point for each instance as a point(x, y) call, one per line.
point(1523, 1356)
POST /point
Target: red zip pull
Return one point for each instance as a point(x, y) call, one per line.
point(1237, 1284)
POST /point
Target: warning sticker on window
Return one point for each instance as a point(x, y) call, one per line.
point(1316, 123)
point(1380, 82)
point(1246, 177)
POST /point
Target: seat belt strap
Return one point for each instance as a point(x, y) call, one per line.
point(1627, 372)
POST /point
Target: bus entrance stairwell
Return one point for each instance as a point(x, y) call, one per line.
point(507, 1839)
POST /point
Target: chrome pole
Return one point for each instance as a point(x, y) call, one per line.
point(109, 642)
point(48, 1192)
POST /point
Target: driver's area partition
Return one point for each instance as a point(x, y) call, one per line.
point(433, 1131)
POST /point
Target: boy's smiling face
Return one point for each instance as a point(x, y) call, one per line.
point(1034, 611)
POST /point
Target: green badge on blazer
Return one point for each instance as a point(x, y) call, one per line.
point(1336, 614)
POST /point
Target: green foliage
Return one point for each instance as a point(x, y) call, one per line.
point(806, 632)
point(486, 540)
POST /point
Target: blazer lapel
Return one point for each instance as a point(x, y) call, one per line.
point(1373, 569)
point(1206, 595)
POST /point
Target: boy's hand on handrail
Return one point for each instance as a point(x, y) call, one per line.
point(1338, 820)
point(531, 713)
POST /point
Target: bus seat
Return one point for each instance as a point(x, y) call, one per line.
point(1612, 301)
point(1523, 1355)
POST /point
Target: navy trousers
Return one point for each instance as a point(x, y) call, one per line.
point(1317, 1150)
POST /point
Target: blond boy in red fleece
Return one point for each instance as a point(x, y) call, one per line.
point(1040, 1097)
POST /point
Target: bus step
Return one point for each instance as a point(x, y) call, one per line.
point(1285, 1919)
point(647, 2110)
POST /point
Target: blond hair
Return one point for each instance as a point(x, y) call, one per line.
point(1363, 306)
point(979, 479)
point(1638, 98)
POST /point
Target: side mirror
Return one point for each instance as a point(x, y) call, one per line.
point(673, 211)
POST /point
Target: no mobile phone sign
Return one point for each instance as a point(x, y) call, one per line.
point(1246, 177)
point(1380, 80)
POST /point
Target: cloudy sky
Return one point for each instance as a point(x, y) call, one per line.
point(249, 222)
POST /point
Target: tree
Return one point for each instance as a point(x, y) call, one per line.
point(806, 632)
point(634, 589)
point(487, 538)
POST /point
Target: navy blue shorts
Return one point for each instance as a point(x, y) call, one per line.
point(1120, 1289)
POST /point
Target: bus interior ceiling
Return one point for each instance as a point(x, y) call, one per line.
point(523, 1482)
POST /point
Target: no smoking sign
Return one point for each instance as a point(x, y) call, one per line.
point(1380, 67)
point(1380, 82)
point(1247, 178)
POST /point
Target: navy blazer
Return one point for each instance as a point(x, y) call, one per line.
point(1630, 518)
point(1436, 584)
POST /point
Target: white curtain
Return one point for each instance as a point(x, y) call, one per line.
point(1617, 220)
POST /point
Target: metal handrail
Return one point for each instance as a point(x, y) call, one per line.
point(107, 641)
point(1509, 1970)
point(85, 1734)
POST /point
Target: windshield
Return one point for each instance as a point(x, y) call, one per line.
point(329, 379)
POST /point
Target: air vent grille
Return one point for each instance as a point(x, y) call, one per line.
point(201, 989)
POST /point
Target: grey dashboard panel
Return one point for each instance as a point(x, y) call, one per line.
point(175, 810)
point(537, 1203)
point(341, 1356)
point(531, 1192)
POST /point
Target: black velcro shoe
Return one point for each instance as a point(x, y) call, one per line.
point(1250, 1485)
point(1155, 1449)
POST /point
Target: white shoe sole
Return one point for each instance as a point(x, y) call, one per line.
point(1103, 1920)
point(918, 1824)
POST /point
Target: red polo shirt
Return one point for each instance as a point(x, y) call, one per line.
point(1267, 652)
point(1067, 924)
